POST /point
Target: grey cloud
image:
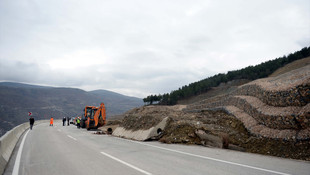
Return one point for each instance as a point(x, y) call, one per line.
point(143, 47)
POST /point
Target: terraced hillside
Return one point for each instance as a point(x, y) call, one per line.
point(274, 107)
point(268, 116)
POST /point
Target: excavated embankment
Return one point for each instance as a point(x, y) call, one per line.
point(275, 107)
point(267, 116)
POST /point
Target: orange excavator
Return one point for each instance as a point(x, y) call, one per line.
point(95, 116)
point(88, 111)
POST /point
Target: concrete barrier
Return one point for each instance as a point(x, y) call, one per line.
point(9, 140)
point(142, 135)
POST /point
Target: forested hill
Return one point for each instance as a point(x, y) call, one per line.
point(44, 102)
point(250, 73)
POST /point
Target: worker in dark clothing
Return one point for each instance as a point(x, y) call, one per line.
point(31, 121)
point(68, 121)
point(63, 121)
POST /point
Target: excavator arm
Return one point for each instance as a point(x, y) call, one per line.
point(100, 116)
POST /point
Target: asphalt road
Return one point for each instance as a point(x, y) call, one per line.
point(68, 150)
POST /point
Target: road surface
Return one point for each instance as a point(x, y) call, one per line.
point(67, 150)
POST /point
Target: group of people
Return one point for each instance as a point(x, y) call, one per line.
point(64, 121)
point(31, 121)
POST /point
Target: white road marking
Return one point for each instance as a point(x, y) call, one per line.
point(125, 163)
point(209, 158)
point(72, 137)
point(19, 155)
point(59, 130)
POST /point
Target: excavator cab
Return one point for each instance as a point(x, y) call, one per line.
point(96, 117)
point(90, 118)
point(87, 112)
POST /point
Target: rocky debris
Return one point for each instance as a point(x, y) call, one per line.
point(145, 117)
point(180, 132)
point(210, 140)
point(100, 132)
point(212, 127)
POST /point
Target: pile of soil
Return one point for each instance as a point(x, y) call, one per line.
point(145, 117)
point(180, 132)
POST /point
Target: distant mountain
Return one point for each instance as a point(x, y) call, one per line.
point(21, 85)
point(117, 102)
point(18, 99)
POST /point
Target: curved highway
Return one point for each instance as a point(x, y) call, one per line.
point(68, 150)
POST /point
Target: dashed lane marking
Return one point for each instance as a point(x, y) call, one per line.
point(71, 137)
point(209, 158)
point(125, 163)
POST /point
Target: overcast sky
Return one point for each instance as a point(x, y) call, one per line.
point(143, 47)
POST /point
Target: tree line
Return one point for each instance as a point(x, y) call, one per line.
point(251, 73)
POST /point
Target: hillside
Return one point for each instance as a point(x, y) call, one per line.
point(289, 67)
point(262, 70)
point(44, 102)
point(230, 86)
point(267, 116)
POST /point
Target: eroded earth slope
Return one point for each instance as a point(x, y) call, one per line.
point(267, 116)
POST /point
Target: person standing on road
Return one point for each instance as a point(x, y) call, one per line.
point(31, 121)
point(78, 123)
point(68, 121)
point(51, 121)
point(63, 121)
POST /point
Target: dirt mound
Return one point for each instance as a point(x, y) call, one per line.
point(145, 117)
point(180, 132)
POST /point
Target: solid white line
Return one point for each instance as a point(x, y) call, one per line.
point(210, 158)
point(125, 163)
point(19, 155)
point(72, 137)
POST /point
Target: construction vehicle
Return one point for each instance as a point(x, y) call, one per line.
point(95, 117)
point(88, 111)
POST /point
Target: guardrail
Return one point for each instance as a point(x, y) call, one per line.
point(9, 140)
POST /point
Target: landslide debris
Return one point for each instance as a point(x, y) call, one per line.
point(211, 128)
point(145, 117)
